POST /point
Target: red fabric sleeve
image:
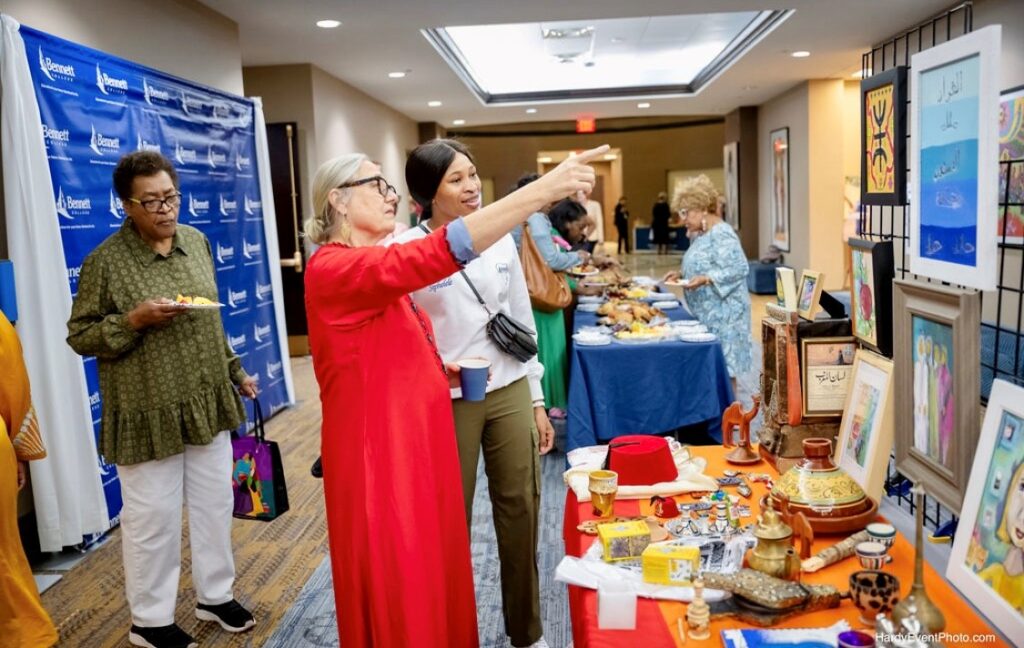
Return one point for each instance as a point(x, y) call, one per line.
point(360, 281)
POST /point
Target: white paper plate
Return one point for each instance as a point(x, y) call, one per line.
point(666, 305)
point(592, 340)
point(650, 340)
point(591, 299)
point(202, 306)
point(591, 273)
point(589, 307)
point(644, 281)
point(683, 283)
point(698, 337)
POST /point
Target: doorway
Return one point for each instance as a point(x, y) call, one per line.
point(607, 187)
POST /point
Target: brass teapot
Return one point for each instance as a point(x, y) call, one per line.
point(774, 554)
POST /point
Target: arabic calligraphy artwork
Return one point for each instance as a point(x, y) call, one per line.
point(884, 136)
point(827, 365)
point(988, 550)
point(1011, 166)
point(779, 205)
point(953, 186)
point(866, 432)
point(937, 343)
point(872, 271)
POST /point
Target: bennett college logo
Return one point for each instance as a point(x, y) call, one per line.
point(236, 342)
point(184, 155)
point(197, 208)
point(108, 84)
point(273, 369)
point(150, 93)
point(225, 254)
point(251, 250)
point(141, 144)
point(116, 209)
point(60, 137)
point(101, 144)
point(215, 158)
point(242, 162)
point(227, 207)
point(237, 299)
point(51, 68)
point(260, 332)
point(69, 207)
point(250, 205)
point(263, 291)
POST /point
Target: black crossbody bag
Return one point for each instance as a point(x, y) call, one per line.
point(508, 334)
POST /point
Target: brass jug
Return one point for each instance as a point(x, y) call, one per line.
point(774, 554)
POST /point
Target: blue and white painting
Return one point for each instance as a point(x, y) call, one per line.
point(948, 141)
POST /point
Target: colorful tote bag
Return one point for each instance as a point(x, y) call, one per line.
point(257, 474)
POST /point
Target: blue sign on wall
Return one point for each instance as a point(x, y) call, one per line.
point(95, 108)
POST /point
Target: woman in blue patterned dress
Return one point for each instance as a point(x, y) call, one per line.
point(715, 269)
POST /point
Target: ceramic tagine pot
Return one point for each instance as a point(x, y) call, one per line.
point(832, 501)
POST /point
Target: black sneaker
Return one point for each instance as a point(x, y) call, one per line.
point(170, 636)
point(231, 615)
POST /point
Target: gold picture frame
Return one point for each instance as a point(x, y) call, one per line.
point(808, 292)
point(866, 432)
point(937, 343)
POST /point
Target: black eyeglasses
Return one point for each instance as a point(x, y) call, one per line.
point(156, 205)
point(383, 186)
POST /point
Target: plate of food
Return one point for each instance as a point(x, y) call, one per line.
point(591, 299)
point(585, 270)
point(197, 303)
point(588, 307)
point(682, 283)
point(638, 333)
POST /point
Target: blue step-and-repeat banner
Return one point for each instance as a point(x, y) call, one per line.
point(95, 108)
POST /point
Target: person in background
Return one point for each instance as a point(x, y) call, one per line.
point(594, 239)
point(510, 425)
point(23, 621)
point(622, 225)
point(715, 268)
point(660, 215)
point(168, 380)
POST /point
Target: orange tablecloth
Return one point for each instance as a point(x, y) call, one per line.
point(656, 620)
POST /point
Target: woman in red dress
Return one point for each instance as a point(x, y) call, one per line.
point(399, 544)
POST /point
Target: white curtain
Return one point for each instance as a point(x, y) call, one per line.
point(68, 494)
point(270, 233)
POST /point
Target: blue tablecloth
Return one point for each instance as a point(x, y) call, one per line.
point(644, 388)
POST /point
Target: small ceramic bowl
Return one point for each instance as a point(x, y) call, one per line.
point(872, 555)
point(856, 639)
point(882, 533)
point(872, 592)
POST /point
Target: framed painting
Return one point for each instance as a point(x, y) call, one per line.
point(937, 340)
point(871, 275)
point(1011, 166)
point(808, 293)
point(866, 431)
point(953, 140)
point(826, 372)
point(778, 209)
point(883, 132)
point(731, 164)
point(988, 549)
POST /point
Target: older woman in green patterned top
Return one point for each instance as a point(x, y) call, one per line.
point(168, 380)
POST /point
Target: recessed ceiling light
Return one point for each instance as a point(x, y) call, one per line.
point(458, 122)
point(800, 54)
point(396, 75)
point(611, 156)
point(530, 111)
point(434, 104)
point(328, 24)
point(643, 104)
point(544, 160)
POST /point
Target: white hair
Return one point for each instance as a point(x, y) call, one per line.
point(331, 174)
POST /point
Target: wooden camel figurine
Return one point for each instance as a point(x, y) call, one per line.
point(734, 417)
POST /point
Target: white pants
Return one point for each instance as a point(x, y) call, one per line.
point(151, 529)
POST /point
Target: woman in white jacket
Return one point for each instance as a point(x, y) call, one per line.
point(510, 425)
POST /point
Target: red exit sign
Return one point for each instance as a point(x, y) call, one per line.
point(586, 125)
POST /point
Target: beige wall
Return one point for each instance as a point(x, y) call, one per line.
point(647, 157)
point(182, 37)
point(333, 118)
point(789, 109)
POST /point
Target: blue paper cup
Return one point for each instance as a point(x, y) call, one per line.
point(473, 376)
